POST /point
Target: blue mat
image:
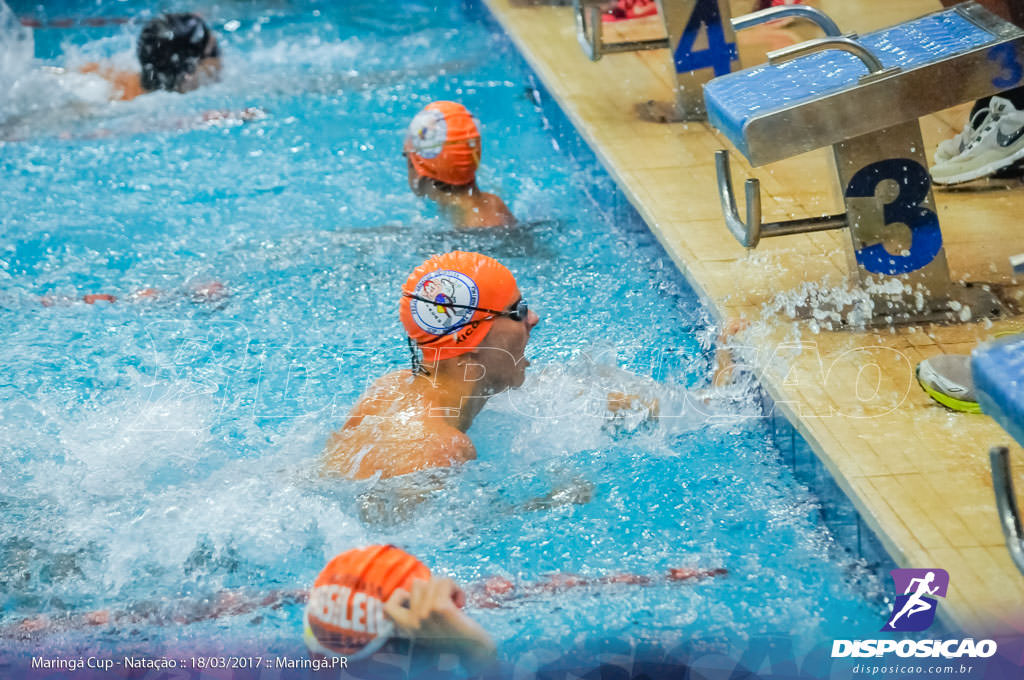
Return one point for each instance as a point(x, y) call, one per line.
point(735, 98)
point(998, 372)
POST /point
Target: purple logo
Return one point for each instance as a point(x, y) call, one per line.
point(915, 605)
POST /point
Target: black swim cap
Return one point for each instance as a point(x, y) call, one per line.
point(170, 46)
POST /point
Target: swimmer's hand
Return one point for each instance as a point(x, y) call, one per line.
point(432, 614)
point(629, 412)
point(575, 492)
point(725, 365)
point(620, 403)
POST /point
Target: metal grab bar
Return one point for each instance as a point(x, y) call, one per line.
point(593, 43)
point(750, 233)
point(846, 43)
point(812, 14)
point(747, 233)
point(1006, 504)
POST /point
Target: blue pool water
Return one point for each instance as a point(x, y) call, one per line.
point(167, 450)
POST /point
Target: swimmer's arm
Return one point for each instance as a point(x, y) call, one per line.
point(575, 492)
point(502, 211)
point(420, 470)
point(489, 211)
point(127, 85)
point(447, 448)
point(621, 402)
point(397, 499)
point(431, 613)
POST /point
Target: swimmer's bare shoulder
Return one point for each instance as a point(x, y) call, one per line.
point(127, 85)
point(389, 431)
point(488, 210)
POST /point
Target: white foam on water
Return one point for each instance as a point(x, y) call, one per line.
point(36, 96)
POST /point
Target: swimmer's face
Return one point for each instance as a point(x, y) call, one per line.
point(503, 351)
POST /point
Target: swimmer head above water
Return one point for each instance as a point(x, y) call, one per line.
point(177, 52)
point(442, 150)
point(369, 598)
point(463, 311)
point(461, 303)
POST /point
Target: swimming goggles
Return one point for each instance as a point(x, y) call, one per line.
point(521, 311)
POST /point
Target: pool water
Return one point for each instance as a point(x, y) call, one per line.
point(161, 451)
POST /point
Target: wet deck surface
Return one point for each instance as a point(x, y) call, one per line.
point(918, 474)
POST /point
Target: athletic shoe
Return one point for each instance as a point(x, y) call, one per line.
point(992, 141)
point(947, 379)
point(949, 149)
point(630, 9)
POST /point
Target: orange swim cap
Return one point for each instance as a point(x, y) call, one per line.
point(345, 612)
point(443, 143)
point(456, 278)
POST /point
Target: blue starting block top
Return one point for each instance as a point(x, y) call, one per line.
point(998, 373)
point(733, 100)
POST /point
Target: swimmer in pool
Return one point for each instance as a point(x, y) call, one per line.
point(442, 152)
point(380, 598)
point(465, 313)
point(376, 598)
point(177, 52)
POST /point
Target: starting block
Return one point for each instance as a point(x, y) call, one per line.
point(863, 96)
point(997, 370)
point(701, 41)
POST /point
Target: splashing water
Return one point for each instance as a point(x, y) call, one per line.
point(159, 451)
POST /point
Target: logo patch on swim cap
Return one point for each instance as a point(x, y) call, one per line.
point(444, 287)
point(428, 133)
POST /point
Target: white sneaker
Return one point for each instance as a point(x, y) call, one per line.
point(955, 145)
point(993, 140)
point(951, 148)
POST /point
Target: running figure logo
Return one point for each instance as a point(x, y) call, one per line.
point(914, 609)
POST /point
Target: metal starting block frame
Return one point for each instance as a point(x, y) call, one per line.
point(863, 96)
point(693, 65)
point(1006, 504)
point(997, 369)
point(695, 59)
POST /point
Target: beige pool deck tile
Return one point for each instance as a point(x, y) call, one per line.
point(900, 492)
point(937, 506)
point(918, 474)
point(963, 586)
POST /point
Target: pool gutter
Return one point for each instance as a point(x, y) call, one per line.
point(917, 475)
